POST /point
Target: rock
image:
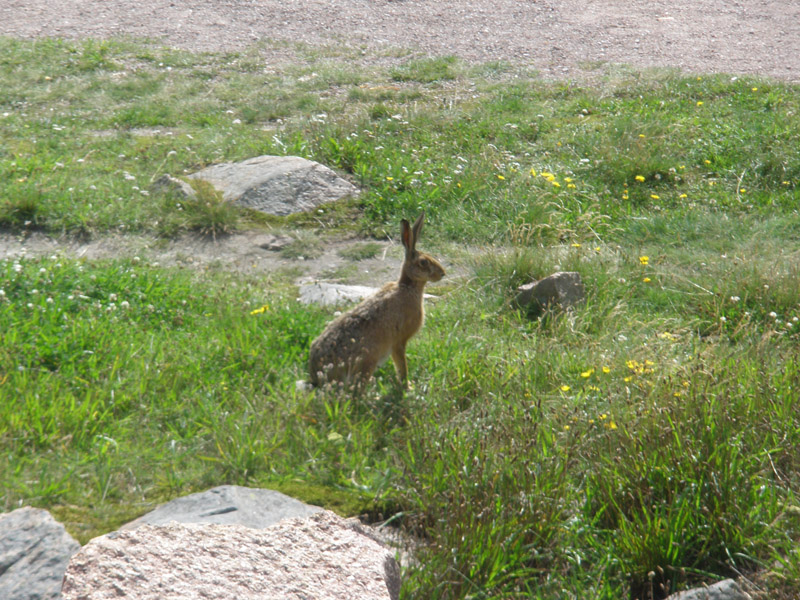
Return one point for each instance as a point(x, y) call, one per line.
point(726, 589)
point(34, 552)
point(276, 185)
point(564, 289)
point(331, 294)
point(227, 505)
point(320, 557)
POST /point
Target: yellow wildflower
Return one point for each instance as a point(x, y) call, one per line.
point(565, 388)
point(606, 370)
point(639, 178)
point(587, 374)
point(655, 197)
point(260, 310)
point(500, 177)
point(647, 280)
point(644, 260)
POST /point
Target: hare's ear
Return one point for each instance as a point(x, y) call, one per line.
point(407, 236)
point(418, 227)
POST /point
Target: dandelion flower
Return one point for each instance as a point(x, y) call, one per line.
point(571, 186)
point(683, 196)
point(706, 161)
point(755, 89)
point(565, 388)
point(566, 427)
point(639, 178)
point(655, 196)
point(611, 425)
point(555, 184)
point(699, 103)
point(606, 370)
point(576, 245)
point(644, 260)
point(260, 310)
point(588, 373)
point(647, 280)
point(501, 178)
point(533, 172)
point(568, 179)
point(390, 179)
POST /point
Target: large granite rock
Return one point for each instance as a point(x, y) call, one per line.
point(34, 552)
point(277, 185)
point(228, 505)
point(321, 557)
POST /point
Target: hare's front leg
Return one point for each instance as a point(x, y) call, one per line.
point(399, 360)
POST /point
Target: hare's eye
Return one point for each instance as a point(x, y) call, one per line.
point(424, 262)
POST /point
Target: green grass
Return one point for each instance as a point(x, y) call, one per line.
point(645, 443)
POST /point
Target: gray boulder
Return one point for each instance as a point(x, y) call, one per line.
point(34, 553)
point(322, 557)
point(726, 589)
point(276, 185)
point(227, 505)
point(564, 289)
point(332, 294)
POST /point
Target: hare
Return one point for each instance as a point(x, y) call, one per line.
point(354, 344)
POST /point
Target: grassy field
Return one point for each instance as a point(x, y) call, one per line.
point(644, 443)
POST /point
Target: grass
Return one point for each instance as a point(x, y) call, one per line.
point(645, 443)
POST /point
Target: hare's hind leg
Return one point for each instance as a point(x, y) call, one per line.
point(400, 364)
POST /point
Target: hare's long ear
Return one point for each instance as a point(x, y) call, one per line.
point(407, 236)
point(417, 228)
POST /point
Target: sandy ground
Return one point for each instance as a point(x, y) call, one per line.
point(560, 38)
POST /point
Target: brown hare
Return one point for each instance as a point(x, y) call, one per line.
point(354, 344)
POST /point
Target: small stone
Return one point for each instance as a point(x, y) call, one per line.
point(564, 289)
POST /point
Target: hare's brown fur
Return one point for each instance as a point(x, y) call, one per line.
point(353, 345)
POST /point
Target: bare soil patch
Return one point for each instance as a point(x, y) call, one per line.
point(560, 38)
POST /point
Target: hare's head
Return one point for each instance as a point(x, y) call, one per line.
point(418, 266)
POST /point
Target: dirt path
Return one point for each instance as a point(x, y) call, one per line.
point(557, 37)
